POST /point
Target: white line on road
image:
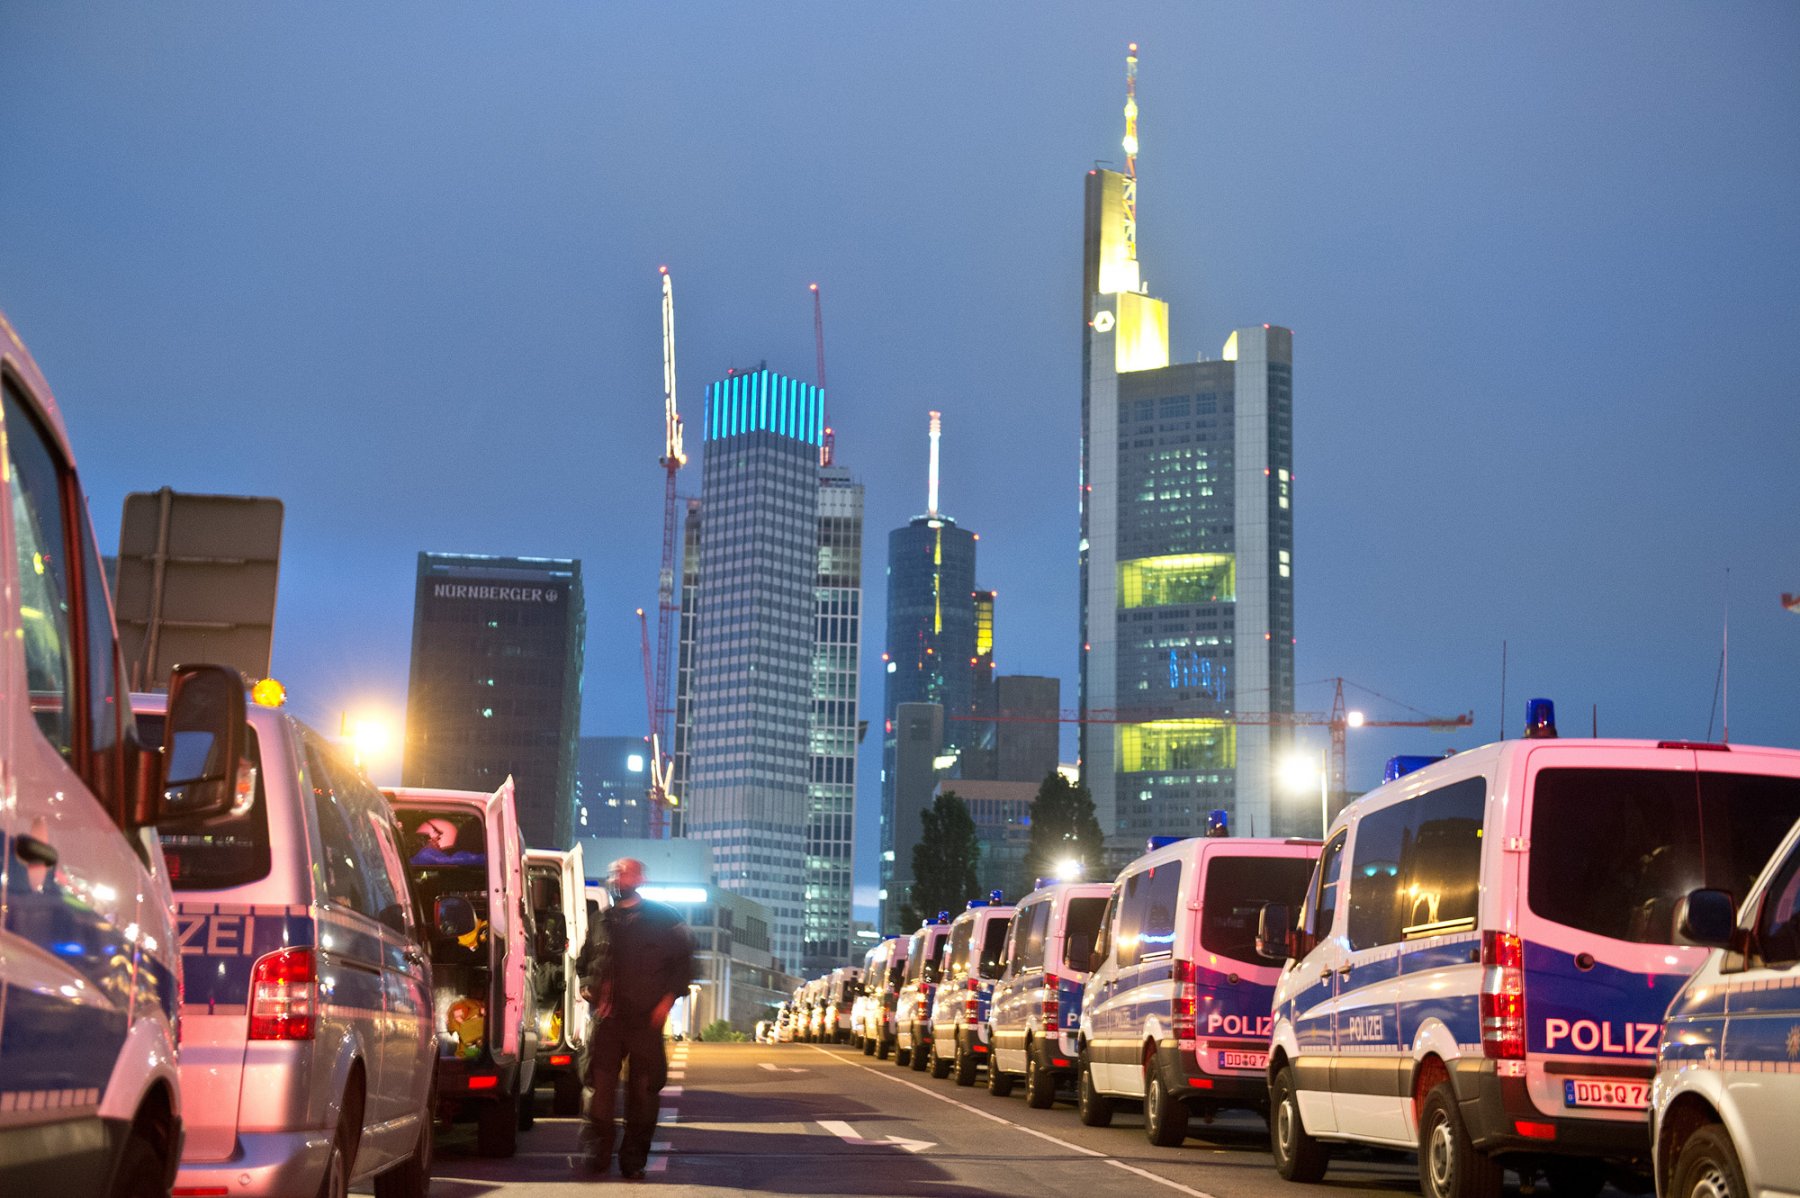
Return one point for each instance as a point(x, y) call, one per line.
point(668, 1114)
point(784, 1068)
point(847, 1134)
point(1030, 1131)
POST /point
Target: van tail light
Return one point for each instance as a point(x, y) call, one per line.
point(1502, 996)
point(972, 1000)
point(1186, 999)
point(1052, 1001)
point(284, 991)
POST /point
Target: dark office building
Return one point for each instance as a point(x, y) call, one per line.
point(612, 782)
point(1027, 733)
point(495, 686)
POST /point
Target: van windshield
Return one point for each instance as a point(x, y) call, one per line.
point(1237, 889)
point(446, 857)
point(1080, 930)
point(1613, 851)
point(231, 850)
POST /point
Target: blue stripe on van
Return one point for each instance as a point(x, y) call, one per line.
point(1602, 1011)
point(219, 949)
point(1781, 997)
point(1228, 1008)
point(50, 1043)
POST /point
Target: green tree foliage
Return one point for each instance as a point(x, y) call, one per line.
point(721, 1030)
point(944, 859)
point(1063, 827)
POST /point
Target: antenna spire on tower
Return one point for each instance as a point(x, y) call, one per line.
point(931, 484)
point(828, 445)
point(1129, 196)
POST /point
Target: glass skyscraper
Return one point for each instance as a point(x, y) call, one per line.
point(766, 693)
point(1186, 552)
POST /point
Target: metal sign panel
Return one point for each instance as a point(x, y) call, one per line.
point(196, 583)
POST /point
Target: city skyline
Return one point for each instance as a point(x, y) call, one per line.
point(1537, 260)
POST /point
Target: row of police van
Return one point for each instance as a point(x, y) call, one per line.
point(1575, 960)
point(229, 965)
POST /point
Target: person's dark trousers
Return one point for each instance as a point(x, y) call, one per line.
point(632, 1042)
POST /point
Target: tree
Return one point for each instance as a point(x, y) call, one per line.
point(944, 859)
point(1063, 828)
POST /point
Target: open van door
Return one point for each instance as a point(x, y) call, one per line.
point(506, 891)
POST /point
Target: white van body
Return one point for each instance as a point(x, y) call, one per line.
point(487, 1072)
point(310, 867)
point(1176, 1012)
point(90, 1090)
point(912, 1009)
point(1726, 1103)
point(558, 883)
point(973, 959)
point(843, 986)
point(881, 985)
point(1036, 1009)
point(1487, 950)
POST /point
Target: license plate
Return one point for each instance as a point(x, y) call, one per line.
point(1243, 1060)
point(1605, 1092)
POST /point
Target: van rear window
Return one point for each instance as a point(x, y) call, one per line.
point(232, 850)
point(1080, 930)
point(1613, 851)
point(1236, 889)
point(993, 947)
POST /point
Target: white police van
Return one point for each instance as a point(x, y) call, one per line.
point(959, 1011)
point(1726, 1103)
point(882, 975)
point(90, 1092)
point(1176, 1012)
point(1486, 951)
point(912, 1009)
point(1035, 1013)
point(557, 882)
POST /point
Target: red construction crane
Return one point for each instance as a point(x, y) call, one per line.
point(674, 457)
point(830, 443)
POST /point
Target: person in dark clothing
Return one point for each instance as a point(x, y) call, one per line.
point(638, 959)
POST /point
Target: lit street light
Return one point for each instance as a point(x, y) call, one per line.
point(1299, 770)
point(370, 737)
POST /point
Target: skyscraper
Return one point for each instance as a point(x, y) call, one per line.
point(931, 654)
point(495, 685)
point(770, 614)
point(612, 781)
point(1186, 546)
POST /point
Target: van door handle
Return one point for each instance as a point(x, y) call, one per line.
point(33, 851)
point(1343, 971)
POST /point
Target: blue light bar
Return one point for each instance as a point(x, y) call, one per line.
point(1399, 767)
point(1540, 719)
point(1163, 842)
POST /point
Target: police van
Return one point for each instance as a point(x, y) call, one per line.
point(90, 1093)
point(882, 975)
point(1724, 1106)
point(1486, 951)
point(466, 860)
point(1035, 1013)
point(559, 904)
point(1176, 1012)
point(307, 1053)
point(842, 986)
point(912, 1009)
point(975, 953)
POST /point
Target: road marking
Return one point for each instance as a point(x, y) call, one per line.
point(847, 1134)
point(671, 1091)
point(668, 1114)
point(783, 1068)
point(1115, 1162)
point(675, 1073)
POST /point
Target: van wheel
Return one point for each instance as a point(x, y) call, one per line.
point(1298, 1157)
point(868, 1046)
point(964, 1068)
point(412, 1176)
point(141, 1170)
point(336, 1182)
point(903, 1057)
point(940, 1068)
point(1708, 1167)
point(565, 1100)
point(1165, 1117)
point(1572, 1177)
point(1450, 1166)
point(919, 1061)
point(1095, 1108)
point(998, 1084)
point(497, 1127)
point(1040, 1083)
point(884, 1048)
point(527, 1109)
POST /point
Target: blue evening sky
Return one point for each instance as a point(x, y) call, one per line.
point(396, 264)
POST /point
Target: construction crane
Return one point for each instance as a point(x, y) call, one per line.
point(674, 457)
point(830, 441)
point(1338, 721)
point(661, 772)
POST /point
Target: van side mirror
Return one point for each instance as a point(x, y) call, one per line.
point(202, 747)
point(1706, 917)
point(1274, 932)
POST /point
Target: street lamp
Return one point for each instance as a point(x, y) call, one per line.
point(1298, 772)
point(370, 736)
point(1068, 869)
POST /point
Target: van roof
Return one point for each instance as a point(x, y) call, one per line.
point(17, 358)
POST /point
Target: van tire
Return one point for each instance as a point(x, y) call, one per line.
point(497, 1127)
point(903, 1057)
point(412, 1176)
point(1573, 1177)
point(919, 1059)
point(1298, 1157)
point(963, 1068)
point(141, 1170)
point(527, 1109)
point(940, 1068)
point(1094, 1108)
point(1708, 1166)
point(565, 1096)
point(998, 1084)
point(342, 1158)
point(1450, 1166)
point(1040, 1083)
point(884, 1048)
point(1165, 1116)
point(868, 1046)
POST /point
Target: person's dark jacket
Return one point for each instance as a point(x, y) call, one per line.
point(636, 957)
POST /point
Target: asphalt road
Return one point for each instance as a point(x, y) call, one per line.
point(804, 1119)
